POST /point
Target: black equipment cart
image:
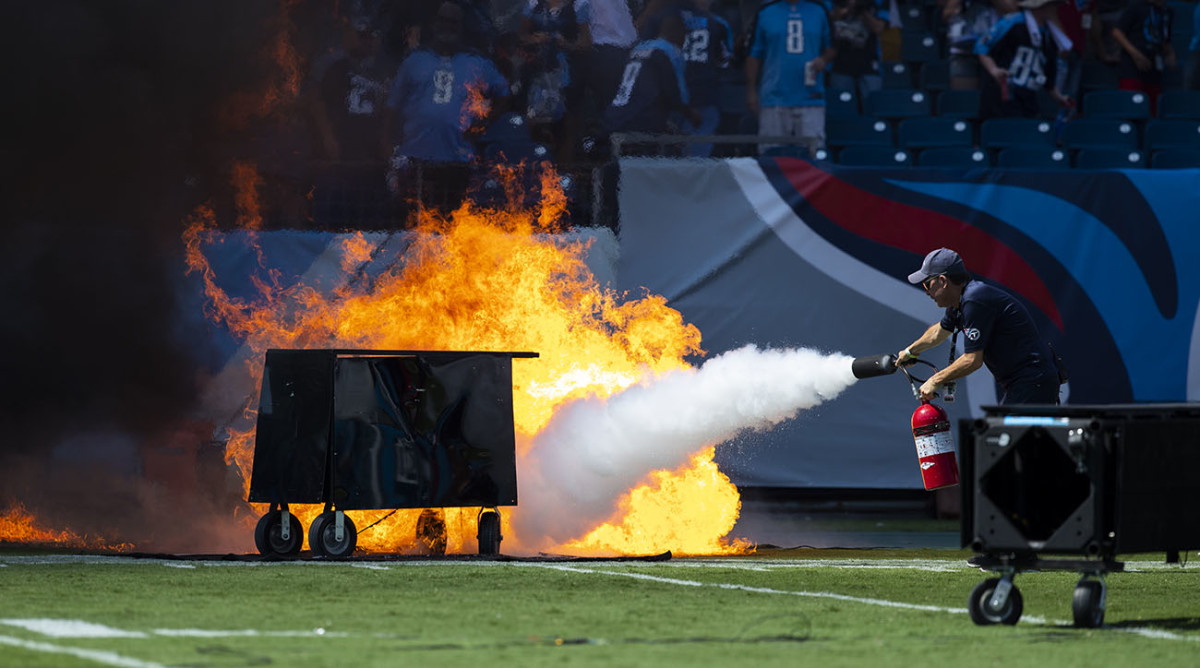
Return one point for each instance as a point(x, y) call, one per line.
point(381, 429)
point(1087, 482)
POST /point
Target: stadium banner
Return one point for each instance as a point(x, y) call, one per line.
point(781, 252)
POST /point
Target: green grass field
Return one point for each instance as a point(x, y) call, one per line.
point(794, 607)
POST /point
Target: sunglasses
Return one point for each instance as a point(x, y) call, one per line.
point(928, 283)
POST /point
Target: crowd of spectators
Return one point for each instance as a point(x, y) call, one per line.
point(411, 96)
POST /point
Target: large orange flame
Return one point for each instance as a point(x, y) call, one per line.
point(493, 280)
point(19, 526)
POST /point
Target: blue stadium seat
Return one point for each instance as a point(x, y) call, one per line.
point(914, 19)
point(509, 126)
point(1024, 157)
point(1001, 133)
point(1100, 133)
point(516, 151)
point(933, 131)
point(934, 75)
point(1109, 158)
point(896, 103)
point(958, 103)
point(953, 156)
point(1121, 104)
point(1176, 158)
point(895, 75)
point(841, 102)
point(874, 156)
point(858, 131)
point(1179, 105)
point(1172, 134)
point(919, 48)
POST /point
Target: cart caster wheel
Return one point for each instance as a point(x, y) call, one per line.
point(431, 531)
point(489, 533)
point(268, 535)
point(979, 604)
point(1088, 604)
point(322, 535)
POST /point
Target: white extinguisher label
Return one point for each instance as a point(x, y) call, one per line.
point(936, 443)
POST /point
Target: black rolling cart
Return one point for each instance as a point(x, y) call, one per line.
point(381, 429)
point(1084, 482)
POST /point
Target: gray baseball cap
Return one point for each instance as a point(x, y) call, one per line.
point(940, 261)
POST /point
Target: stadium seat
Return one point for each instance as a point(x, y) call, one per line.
point(1179, 105)
point(1100, 133)
point(919, 48)
point(858, 131)
point(896, 103)
point(1176, 158)
point(1120, 104)
point(1172, 134)
point(914, 19)
point(516, 151)
point(841, 102)
point(1024, 157)
point(934, 75)
point(1109, 158)
point(958, 104)
point(932, 132)
point(1001, 133)
point(953, 156)
point(510, 126)
point(895, 75)
point(1097, 75)
point(874, 156)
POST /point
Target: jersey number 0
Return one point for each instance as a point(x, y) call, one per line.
point(627, 80)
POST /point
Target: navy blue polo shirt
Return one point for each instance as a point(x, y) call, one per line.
point(992, 321)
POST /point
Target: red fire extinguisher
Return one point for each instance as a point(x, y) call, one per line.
point(935, 446)
point(930, 424)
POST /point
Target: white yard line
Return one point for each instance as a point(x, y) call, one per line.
point(70, 628)
point(1156, 634)
point(758, 590)
point(248, 633)
point(99, 656)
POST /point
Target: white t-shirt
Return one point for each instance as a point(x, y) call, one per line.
point(612, 24)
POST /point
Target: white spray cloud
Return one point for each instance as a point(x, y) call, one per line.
point(594, 450)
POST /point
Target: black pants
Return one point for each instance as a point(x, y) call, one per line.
point(1036, 392)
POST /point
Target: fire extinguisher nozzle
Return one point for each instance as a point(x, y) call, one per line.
point(874, 365)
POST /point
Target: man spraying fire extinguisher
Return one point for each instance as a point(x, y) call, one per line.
point(997, 330)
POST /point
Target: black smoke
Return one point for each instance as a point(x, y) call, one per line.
point(120, 119)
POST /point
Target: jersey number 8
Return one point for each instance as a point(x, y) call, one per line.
point(443, 86)
point(795, 36)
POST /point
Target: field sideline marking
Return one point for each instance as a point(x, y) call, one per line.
point(99, 656)
point(936, 565)
point(761, 590)
point(1155, 634)
point(70, 628)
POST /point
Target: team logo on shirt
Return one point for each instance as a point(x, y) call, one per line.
point(971, 333)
